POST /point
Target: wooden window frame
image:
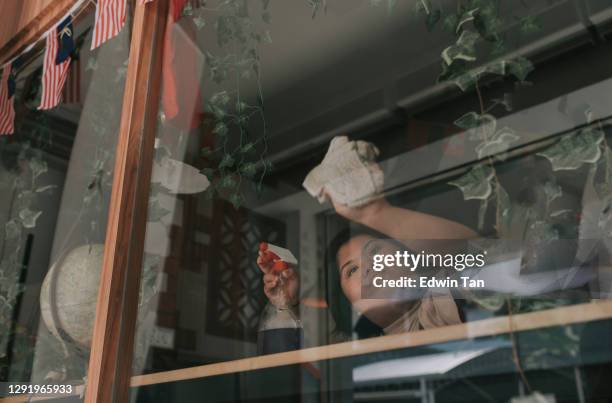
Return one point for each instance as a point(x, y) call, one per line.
point(34, 29)
point(110, 362)
point(109, 374)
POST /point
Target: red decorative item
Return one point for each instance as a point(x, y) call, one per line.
point(279, 266)
point(268, 256)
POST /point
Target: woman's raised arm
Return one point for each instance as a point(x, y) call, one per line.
point(403, 224)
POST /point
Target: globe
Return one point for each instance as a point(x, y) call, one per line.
point(69, 294)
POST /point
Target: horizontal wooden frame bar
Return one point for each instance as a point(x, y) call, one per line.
point(561, 316)
point(481, 328)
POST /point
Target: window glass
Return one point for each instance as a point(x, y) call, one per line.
point(478, 370)
point(300, 144)
point(56, 175)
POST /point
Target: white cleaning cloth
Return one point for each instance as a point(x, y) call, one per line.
point(348, 173)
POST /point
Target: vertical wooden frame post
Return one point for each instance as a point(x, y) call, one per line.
point(110, 362)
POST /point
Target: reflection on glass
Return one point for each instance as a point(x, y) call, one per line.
point(55, 180)
point(328, 128)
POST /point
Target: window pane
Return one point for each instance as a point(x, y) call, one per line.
point(467, 371)
point(55, 178)
point(301, 144)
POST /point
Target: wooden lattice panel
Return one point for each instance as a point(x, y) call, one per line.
point(235, 292)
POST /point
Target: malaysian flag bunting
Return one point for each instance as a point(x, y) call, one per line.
point(56, 64)
point(71, 94)
point(7, 109)
point(145, 1)
point(110, 19)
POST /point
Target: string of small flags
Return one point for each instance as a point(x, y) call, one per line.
point(7, 110)
point(110, 18)
point(109, 21)
point(56, 64)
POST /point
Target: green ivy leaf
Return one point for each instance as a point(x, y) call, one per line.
point(463, 49)
point(247, 148)
point(491, 303)
point(487, 24)
point(12, 229)
point(226, 162)
point(520, 67)
point(217, 111)
point(481, 127)
point(267, 37)
point(221, 129)
point(476, 184)
point(466, 80)
point(187, 10)
point(267, 165)
point(199, 22)
point(220, 98)
point(423, 6)
point(468, 121)
point(543, 232)
point(505, 101)
point(227, 182)
point(45, 188)
point(552, 191)
point(241, 106)
point(561, 212)
point(499, 67)
point(450, 22)
point(530, 24)
point(29, 217)
point(249, 169)
point(156, 212)
point(242, 121)
point(37, 166)
point(157, 188)
point(574, 150)
point(465, 18)
point(498, 144)
point(236, 200)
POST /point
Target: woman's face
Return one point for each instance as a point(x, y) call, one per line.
point(349, 258)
